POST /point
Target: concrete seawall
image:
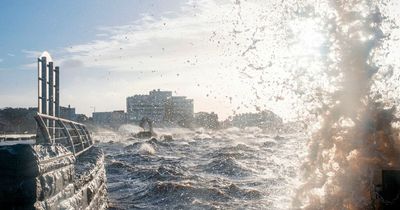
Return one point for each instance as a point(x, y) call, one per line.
point(50, 177)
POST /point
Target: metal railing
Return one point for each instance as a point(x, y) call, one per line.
point(74, 136)
point(11, 139)
point(17, 137)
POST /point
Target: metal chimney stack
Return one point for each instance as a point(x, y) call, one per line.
point(57, 97)
point(48, 86)
point(42, 85)
point(50, 99)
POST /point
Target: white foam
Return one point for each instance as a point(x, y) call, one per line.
point(146, 149)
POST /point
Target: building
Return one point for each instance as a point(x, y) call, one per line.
point(151, 106)
point(206, 120)
point(263, 119)
point(101, 118)
point(179, 110)
point(113, 119)
point(82, 118)
point(118, 117)
point(68, 113)
point(160, 106)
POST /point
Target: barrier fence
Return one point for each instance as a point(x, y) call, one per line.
point(74, 136)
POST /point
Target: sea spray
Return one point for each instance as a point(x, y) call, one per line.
point(129, 129)
point(355, 139)
point(326, 60)
point(146, 149)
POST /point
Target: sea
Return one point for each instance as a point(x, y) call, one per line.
point(234, 168)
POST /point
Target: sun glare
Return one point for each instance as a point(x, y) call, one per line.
point(308, 39)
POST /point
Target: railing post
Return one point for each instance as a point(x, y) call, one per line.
point(84, 140)
point(66, 132)
point(79, 135)
point(43, 129)
point(88, 135)
point(85, 135)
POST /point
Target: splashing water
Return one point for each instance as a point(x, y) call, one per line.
point(331, 64)
point(146, 149)
point(356, 138)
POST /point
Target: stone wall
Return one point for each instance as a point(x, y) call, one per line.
point(50, 177)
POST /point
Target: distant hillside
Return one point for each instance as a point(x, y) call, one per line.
point(17, 120)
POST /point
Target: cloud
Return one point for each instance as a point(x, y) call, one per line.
point(31, 53)
point(28, 66)
point(1, 60)
point(150, 44)
point(71, 63)
point(174, 52)
point(197, 52)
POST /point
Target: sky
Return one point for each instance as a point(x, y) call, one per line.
point(210, 51)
